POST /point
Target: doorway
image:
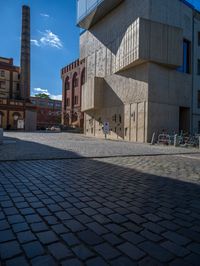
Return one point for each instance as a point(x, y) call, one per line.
point(184, 119)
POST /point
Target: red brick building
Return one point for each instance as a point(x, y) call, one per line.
point(73, 77)
point(48, 112)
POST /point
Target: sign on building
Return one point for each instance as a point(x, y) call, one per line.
point(106, 128)
point(20, 124)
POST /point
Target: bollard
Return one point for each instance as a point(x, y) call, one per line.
point(176, 144)
point(1, 135)
point(153, 139)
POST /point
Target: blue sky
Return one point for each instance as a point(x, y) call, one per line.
point(55, 39)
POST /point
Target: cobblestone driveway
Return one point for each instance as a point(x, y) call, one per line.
point(113, 211)
point(128, 211)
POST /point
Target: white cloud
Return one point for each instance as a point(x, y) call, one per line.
point(44, 15)
point(56, 97)
point(51, 39)
point(35, 42)
point(45, 91)
point(48, 39)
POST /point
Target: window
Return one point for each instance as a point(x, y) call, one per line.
point(75, 80)
point(76, 100)
point(199, 38)
point(83, 77)
point(198, 99)
point(67, 85)
point(185, 68)
point(2, 84)
point(2, 73)
point(120, 119)
point(68, 102)
point(114, 118)
point(198, 67)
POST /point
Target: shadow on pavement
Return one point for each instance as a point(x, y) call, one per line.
point(96, 212)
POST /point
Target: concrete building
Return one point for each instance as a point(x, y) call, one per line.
point(16, 110)
point(48, 112)
point(73, 78)
point(142, 67)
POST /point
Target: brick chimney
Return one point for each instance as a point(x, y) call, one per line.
point(25, 54)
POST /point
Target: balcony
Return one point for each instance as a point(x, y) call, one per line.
point(90, 12)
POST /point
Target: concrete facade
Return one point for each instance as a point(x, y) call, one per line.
point(73, 78)
point(134, 80)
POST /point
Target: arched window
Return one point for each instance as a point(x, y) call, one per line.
point(75, 80)
point(67, 85)
point(83, 77)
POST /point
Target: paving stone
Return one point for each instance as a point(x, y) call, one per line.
point(133, 237)
point(9, 249)
point(26, 236)
point(47, 237)
point(63, 215)
point(112, 239)
point(150, 262)
point(82, 252)
point(51, 220)
point(70, 239)
point(190, 234)
point(26, 211)
point(39, 227)
point(96, 262)
point(33, 218)
point(74, 225)
point(136, 218)
point(4, 225)
point(151, 236)
point(175, 249)
point(97, 228)
point(89, 211)
point(17, 261)
point(45, 260)
point(176, 238)
point(43, 211)
point(116, 229)
point(169, 225)
point(14, 219)
point(20, 227)
point(90, 238)
point(11, 211)
point(192, 259)
point(59, 229)
point(194, 247)
point(72, 262)
point(107, 251)
point(131, 251)
point(156, 251)
point(132, 227)
point(123, 261)
point(33, 249)
point(179, 262)
point(6, 235)
point(59, 251)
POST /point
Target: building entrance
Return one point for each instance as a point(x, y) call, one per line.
point(184, 119)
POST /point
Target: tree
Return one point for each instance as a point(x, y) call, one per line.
point(42, 95)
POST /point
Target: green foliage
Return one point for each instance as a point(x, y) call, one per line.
point(42, 95)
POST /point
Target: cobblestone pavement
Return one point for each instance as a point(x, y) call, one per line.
point(141, 210)
point(20, 146)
